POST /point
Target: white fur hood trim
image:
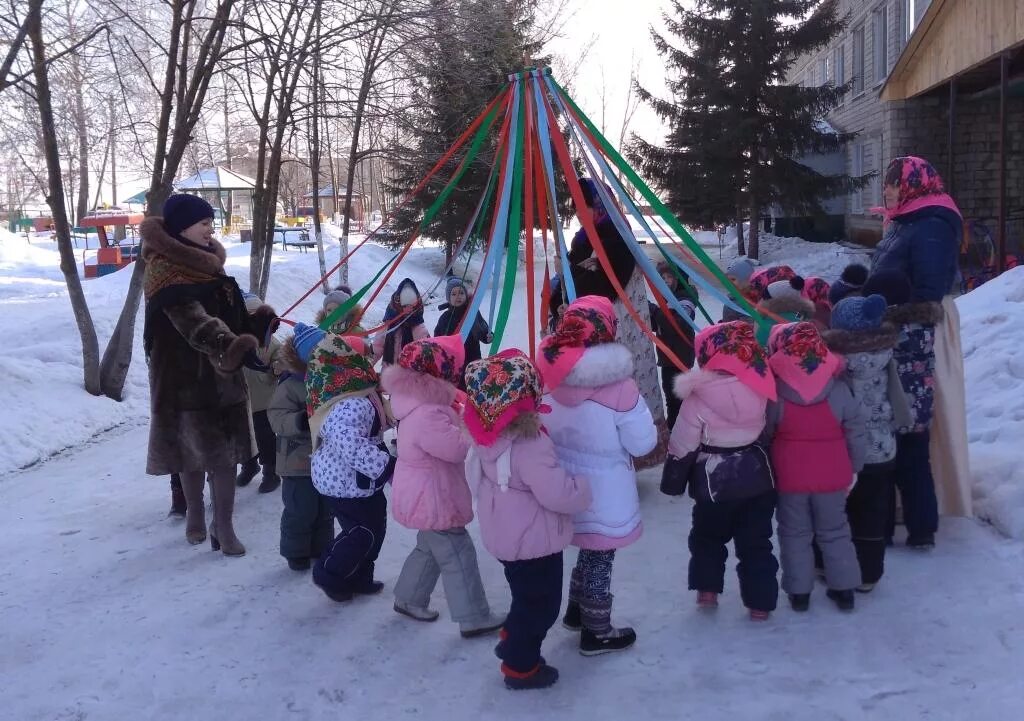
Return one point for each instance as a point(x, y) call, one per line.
point(601, 365)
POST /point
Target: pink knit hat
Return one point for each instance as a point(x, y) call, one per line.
point(441, 357)
point(732, 348)
point(800, 358)
point(588, 321)
point(498, 390)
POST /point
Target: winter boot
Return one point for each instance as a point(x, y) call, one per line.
point(865, 588)
point(337, 596)
point(427, 615)
point(298, 564)
point(756, 614)
point(472, 629)
point(924, 542)
point(543, 676)
point(615, 639)
point(800, 602)
point(571, 621)
point(248, 471)
point(707, 599)
point(269, 483)
point(195, 512)
point(222, 530)
point(843, 599)
point(372, 588)
point(178, 503)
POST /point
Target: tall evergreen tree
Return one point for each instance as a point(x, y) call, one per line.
point(475, 45)
point(737, 130)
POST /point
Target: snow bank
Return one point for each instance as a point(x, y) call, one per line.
point(992, 329)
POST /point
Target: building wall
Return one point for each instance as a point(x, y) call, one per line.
point(862, 112)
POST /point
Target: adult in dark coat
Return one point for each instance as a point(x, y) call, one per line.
point(588, 276)
point(923, 230)
point(680, 341)
point(197, 337)
point(456, 304)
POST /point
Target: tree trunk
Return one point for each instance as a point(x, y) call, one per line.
point(353, 153)
point(314, 161)
point(55, 199)
point(740, 249)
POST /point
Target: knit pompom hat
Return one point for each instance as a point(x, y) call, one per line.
point(857, 313)
point(498, 390)
point(741, 269)
point(764, 277)
point(850, 282)
point(588, 321)
point(182, 211)
point(799, 357)
point(337, 297)
point(306, 339)
point(789, 288)
point(441, 357)
point(733, 348)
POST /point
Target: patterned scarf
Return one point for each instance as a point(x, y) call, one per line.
point(339, 367)
point(764, 277)
point(441, 357)
point(499, 389)
point(732, 348)
point(400, 331)
point(799, 357)
point(587, 322)
point(920, 186)
point(817, 291)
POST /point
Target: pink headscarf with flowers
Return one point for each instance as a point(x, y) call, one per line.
point(588, 321)
point(764, 277)
point(920, 186)
point(800, 358)
point(816, 290)
point(733, 348)
point(499, 389)
point(441, 357)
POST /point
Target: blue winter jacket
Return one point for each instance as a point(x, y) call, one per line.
point(925, 246)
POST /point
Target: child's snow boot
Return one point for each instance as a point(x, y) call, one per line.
point(615, 639)
point(800, 602)
point(248, 471)
point(541, 677)
point(338, 596)
point(923, 542)
point(843, 599)
point(427, 615)
point(269, 483)
point(571, 621)
point(472, 629)
point(298, 564)
point(757, 614)
point(865, 588)
point(707, 599)
point(372, 588)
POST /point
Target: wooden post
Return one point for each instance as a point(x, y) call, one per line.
point(1004, 69)
point(950, 173)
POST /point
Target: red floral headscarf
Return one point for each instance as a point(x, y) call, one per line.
point(498, 390)
point(441, 357)
point(816, 290)
point(800, 358)
point(587, 322)
point(733, 348)
point(764, 277)
point(920, 186)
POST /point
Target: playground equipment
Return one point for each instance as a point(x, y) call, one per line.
point(530, 126)
point(112, 255)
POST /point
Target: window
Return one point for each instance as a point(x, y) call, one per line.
point(858, 59)
point(857, 170)
point(839, 64)
point(823, 70)
point(880, 43)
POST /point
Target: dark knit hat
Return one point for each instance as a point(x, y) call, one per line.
point(850, 282)
point(856, 313)
point(893, 285)
point(182, 211)
point(451, 284)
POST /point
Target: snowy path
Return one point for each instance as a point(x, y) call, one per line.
point(108, 614)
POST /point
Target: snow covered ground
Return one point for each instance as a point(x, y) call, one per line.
point(108, 614)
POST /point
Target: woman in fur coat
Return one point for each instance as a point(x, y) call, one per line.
point(598, 422)
point(197, 337)
point(429, 490)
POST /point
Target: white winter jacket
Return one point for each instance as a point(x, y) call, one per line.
point(350, 461)
point(598, 422)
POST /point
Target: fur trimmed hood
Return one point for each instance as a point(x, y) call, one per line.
point(789, 305)
point(844, 342)
point(409, 390)
point(290, 357)
point(601, 365)
point(157, 241)
point(923, 313)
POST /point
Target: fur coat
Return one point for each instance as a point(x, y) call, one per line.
point(197, 335)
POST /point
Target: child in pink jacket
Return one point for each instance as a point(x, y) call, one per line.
point(598, 423)
point(714, 450)
point(818, 444)
point(429, 489)
point(525, 501)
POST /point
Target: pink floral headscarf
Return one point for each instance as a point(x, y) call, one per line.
point(587, 322)
point(441, 357)
point(799, 357)
point(920, 186)
point(816, 290)
point(764, 277)
point(498, 390)
point(733, 348)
